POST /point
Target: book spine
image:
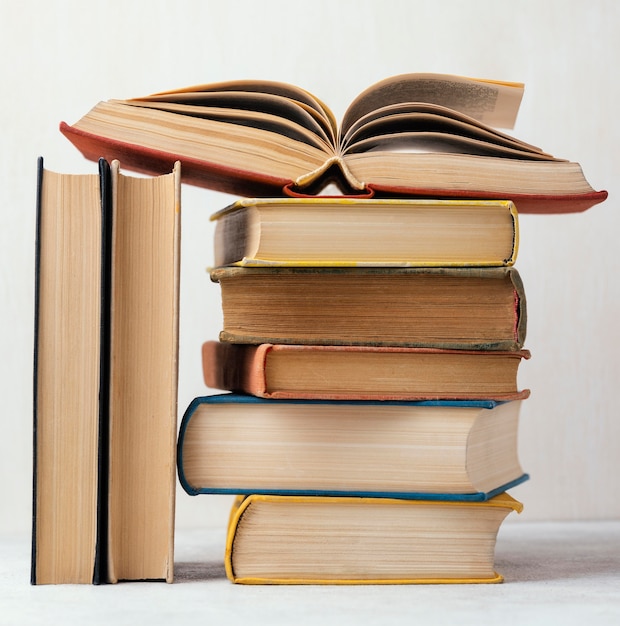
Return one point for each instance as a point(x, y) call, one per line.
point(37, 274)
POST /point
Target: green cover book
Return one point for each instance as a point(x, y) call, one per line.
point(457, 308)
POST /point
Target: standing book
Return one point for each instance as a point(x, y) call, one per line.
point(69, 529)
point(336, 540)
point(414, 135)
point(105, 376)
point(144, 375)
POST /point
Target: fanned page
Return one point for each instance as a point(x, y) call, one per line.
point(411, 112)
point(405, 135)
point(244, 98)
point(491, 102)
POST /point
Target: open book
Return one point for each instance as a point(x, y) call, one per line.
point(415, 135)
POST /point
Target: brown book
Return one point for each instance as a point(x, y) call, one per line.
point(414, 135)
point(453, 308)
point(446, 449)
point(315, 540)
point(352, 232)
point(105, 376)
point(362, 372)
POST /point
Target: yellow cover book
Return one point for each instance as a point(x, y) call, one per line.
point(343, 540)
point(355, 232)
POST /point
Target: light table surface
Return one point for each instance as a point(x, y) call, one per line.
point(555, 573)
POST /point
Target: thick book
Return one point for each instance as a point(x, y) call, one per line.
point(338, 540)
point(287, 371)
point(458, 450)
point(357, 232)
point(144, 375)
point(454, 308)
point(414, 135)
point(105, 376)
point(70, 376)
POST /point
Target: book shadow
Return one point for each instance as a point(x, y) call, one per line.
point(536, 553)
point(548, 559)
point(199, 571)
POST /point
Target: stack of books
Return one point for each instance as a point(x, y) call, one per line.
point(371, 348)
point(371, 339)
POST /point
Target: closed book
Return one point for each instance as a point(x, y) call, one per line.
point(412, 135)
point(354, 232)
point(238, 444)
point(454, 308)
point(71, 376)
point(144, 305)
point(338, 540)
point(105, 376)
point(287, 371)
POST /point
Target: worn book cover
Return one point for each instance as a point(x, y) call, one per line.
point(450, 308)
point(285, 371)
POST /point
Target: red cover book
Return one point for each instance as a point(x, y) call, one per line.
point(362, 372)
point(414, 135)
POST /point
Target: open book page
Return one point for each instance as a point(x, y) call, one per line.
point(491, 102)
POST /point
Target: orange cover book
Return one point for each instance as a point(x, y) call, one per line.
point(362, 372)
point(413, 135)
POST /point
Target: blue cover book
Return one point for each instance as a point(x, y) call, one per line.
point(433, 450)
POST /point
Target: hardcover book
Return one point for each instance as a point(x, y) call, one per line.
point(346, 231)
point(454, 308)
point(241, 444)
point(72, 266)
point(315, 540)
point(287, 371)
point(414, 135)
point(144, 376)
point(105, 376)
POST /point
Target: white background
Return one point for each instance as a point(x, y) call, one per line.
point(58, 59)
